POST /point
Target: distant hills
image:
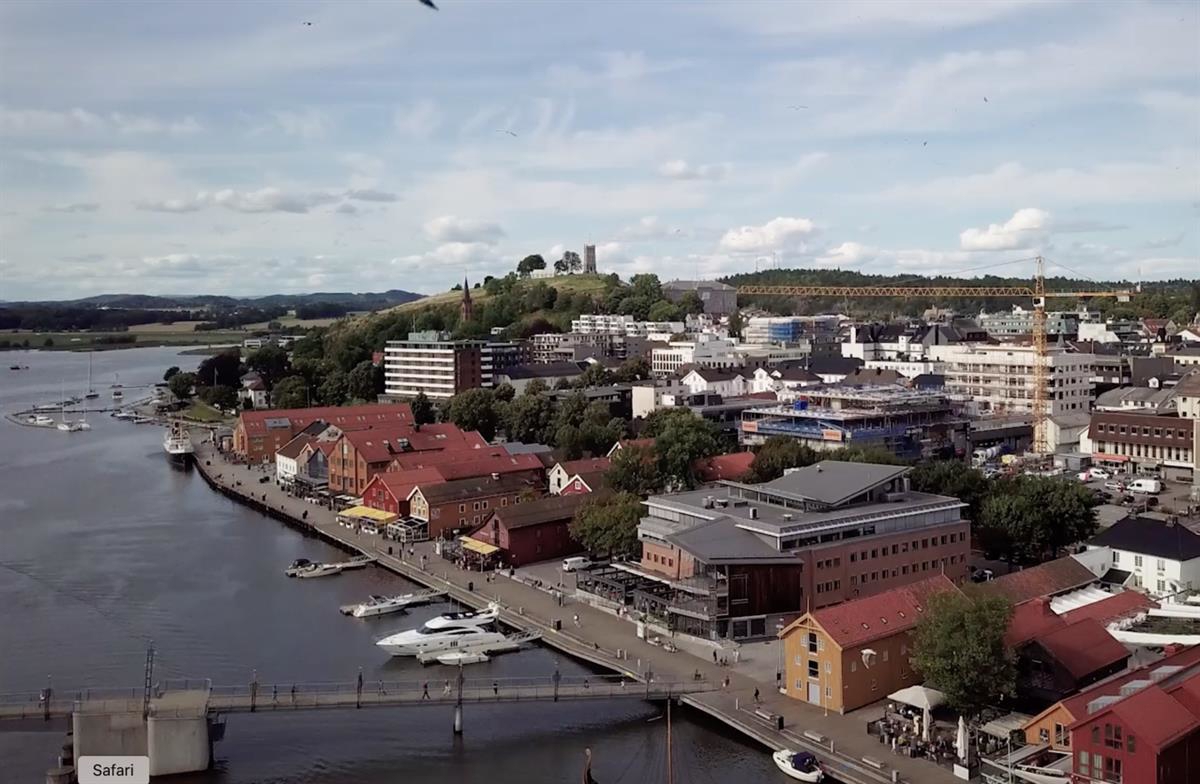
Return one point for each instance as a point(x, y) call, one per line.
point(350, 300)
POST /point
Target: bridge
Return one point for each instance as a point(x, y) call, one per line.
point(175, 723)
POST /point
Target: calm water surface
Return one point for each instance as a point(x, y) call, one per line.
point(103, 547)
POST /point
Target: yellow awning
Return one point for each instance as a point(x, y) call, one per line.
point(474, 545)
point(367, 513)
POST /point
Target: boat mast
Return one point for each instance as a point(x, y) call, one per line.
point(670, 771)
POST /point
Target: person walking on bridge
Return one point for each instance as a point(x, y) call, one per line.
point(446, 689)
point(425, 691)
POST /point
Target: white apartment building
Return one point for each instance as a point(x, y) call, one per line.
point(1000, 379)
point(441, 368)
point(1164, 557)
point(705, 350)
point(910, 368)
point(614, 324)
point(726, 383)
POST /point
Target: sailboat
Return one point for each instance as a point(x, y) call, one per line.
point(91, 393)
point(63, 424)
point(117, 394)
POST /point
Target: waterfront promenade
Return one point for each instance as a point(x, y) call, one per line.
point(601, 637)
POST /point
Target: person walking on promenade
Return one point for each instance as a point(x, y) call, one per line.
point(495, 688)
point(714, 657)
point(425, 691)
point(446, 689)
point(576, 618)
point(756, 698)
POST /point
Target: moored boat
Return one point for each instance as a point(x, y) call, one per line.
point(799, 765)
point(459, 658)
point(445, 632)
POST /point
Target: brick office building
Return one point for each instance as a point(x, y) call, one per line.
point(258, 434)
point(455, 507)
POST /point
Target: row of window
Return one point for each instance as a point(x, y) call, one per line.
point(831, 585)
point(1160, 564)
point(915, 568)
point(904, 547)
point(1098, 768)
point(1149, 450)
point(1159, 432)
point(662, 559)
point(831, 562)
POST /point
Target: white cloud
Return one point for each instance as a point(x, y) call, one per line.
point(774, 235)
point(468, 256)
point(616, 70)
point(680, 169)
point(419, 120)
point(1025, 229)
point(73, 207)
point(262, 200)
point(847, 254)
point(451, 229)
point(39, 122)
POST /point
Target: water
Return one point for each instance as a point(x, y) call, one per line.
point(103, 547)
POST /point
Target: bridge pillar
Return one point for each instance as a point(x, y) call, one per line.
point(458, 719)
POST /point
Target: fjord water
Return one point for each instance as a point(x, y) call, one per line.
point(104, 547)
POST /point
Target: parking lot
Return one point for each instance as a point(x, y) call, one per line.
point(1175, 498)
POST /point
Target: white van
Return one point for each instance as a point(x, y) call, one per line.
point(576, 563)
point(1148, 486)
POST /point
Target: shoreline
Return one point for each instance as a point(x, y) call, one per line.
point(603, 640)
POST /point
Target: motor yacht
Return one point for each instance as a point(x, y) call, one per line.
point(178, 443)
point(382, 605)
point(446, 631)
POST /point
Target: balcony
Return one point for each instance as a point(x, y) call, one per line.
point(707, 608)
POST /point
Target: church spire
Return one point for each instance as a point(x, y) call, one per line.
point(466, 307)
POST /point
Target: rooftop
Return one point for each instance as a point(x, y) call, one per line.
point(474, 487)
point(543, 370)
point(1148, 536)
point(860, 621)
point(1186, 658)
point(732, 466)
point(257, 423)
point(1083, 647)
point(720, 541)
point(550, 509)
point(1048, 579)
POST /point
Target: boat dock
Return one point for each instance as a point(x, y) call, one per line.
point(602, 639)
point(357, 562)
point(513, 642)
point(415, 599)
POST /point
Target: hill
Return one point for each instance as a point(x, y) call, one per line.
point(574, 284)
point(351, 300)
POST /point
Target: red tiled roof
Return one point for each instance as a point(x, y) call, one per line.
point(881, 615)
point(588, 465)
point(1083, 647)
point(487, 465)
point(1187, 694)
point(733, 466)
point(379, 444)
point(1030, 620)
point(401, 483)
point(345, 417)
point(461, 453)
point(1048, 579)
point(1113, 608)
point(1077, 704)
point(1152, 715)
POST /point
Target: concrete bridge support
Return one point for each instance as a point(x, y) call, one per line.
point(177, 745)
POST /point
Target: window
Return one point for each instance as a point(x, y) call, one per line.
point(814, 668)
point(462, 508)
point(829, 694)
point(1112, 769)
point(1043, 735)
point(1129, 745)
point(1137, 561)
point(854, 668)
point(853, 557)
point(1095, 733)
point(1082, 767)
point(1162, 586)
point(1162, 565)
point(883, 656)
point(828, 668)
point(812, 642)
point(1061, 736)
point(1116, 557)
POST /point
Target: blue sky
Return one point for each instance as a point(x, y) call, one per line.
point(227, 147)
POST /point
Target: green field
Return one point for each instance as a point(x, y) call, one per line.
point(589, 284)
point(203, 412)
point(95, 341)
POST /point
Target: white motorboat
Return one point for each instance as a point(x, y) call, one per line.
point(799, 765)
point(459, 658)
point(382, 605)
point(70, 427)
point(319, 570)
point(446, 631)
point(41, 420)
point(297, 565)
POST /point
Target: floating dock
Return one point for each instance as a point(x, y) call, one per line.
point(415, 599)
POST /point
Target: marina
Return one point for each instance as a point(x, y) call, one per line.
point(384, 605)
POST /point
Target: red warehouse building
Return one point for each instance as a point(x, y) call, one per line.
point(537, 530)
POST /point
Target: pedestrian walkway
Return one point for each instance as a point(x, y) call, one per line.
point(601, 637)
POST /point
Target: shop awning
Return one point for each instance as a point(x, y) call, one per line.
point(367, 513)
point(476, 546)
point(1110, 458)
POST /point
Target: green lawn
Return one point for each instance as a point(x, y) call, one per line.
point(573, 283)
point(203, 412)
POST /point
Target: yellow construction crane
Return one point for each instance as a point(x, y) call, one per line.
point(1037, 294)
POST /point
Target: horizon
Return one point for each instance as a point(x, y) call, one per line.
point(391, 146)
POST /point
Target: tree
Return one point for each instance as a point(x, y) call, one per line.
point(569, 440)
point(219, 396)
point(1029, 519)
point(530, 263)
point(952, 478)
point(224, 369)
point(181, 385)
point(647, 285)
point(475, 409)
point(333, 390)
point(290, 392)
point(536, 387)
point(365, 381)
point(665, 310)
point(504, 392)
point(634, 470)
point(422, 410)
point(735, 325)
point(271, 363)
point(681, 439)
point(171, 371)
point(573, 262)
point(632, 369)
point(561, 267)
point(958, 647)
point(691, 304)
point(594, 375)
point(778, 454)
point(528, 418)
point(608, 524)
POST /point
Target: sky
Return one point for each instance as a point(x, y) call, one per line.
point(248, 148)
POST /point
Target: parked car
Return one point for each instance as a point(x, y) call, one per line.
point(576, 563)
point(1114, 486)
point(1143, 485)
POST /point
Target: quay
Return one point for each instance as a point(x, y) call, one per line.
point(601, 638)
